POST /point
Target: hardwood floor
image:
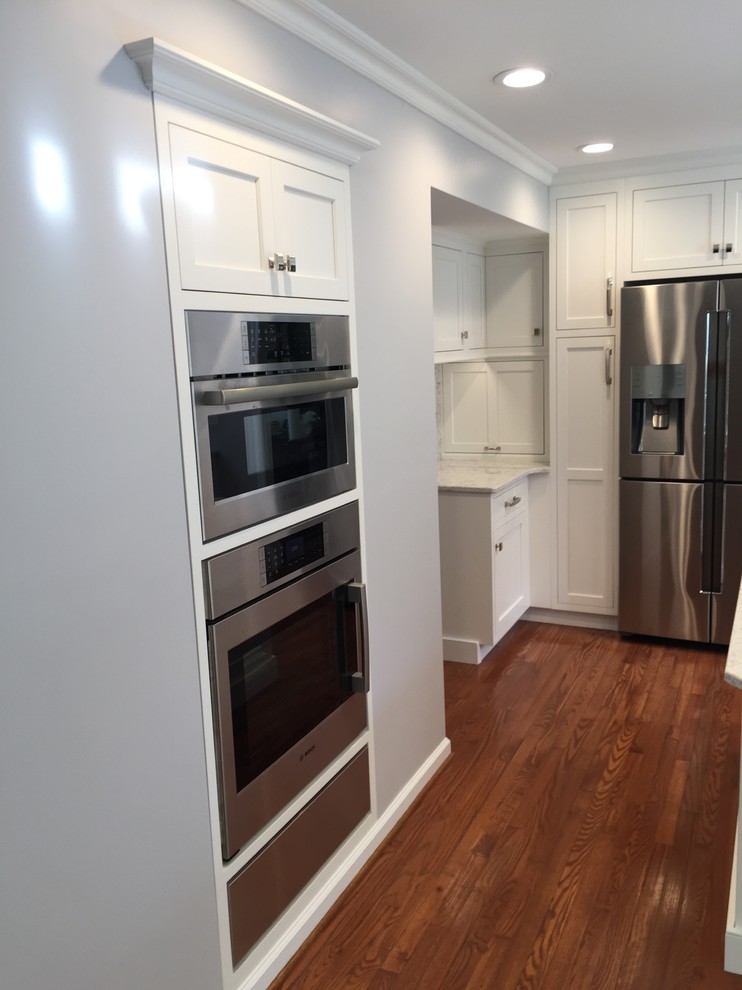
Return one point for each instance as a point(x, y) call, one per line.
point(580, 836)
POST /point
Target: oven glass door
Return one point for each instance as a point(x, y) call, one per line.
point(287, 673)
point(259, 459)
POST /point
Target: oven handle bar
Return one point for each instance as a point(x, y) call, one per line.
point(355, 593)
point(288, 390)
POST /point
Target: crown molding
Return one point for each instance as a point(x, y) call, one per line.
point(172, 73)
point(323, 29)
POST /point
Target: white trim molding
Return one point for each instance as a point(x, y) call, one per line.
point(170, 72)
point(327, 31)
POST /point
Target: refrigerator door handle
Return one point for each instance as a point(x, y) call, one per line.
point(712, 538)
point(722, 394)
point(710, 396)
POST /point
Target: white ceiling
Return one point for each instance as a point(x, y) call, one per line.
point(656, 77)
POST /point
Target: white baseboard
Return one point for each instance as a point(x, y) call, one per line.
point(560, 617)
point(271, 964)
point(464, 650)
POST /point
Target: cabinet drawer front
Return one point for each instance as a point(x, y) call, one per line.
point(508, 504)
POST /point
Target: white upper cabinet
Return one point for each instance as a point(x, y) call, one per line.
point(493, 407)
point(515, 300)
point(458, 299)
point(586, 262)
point(249, 223)
point(695, 225)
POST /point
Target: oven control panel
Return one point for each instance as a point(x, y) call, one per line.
point(292, 552)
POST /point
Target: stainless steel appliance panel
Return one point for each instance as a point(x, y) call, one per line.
point(266, 886)
point(725, 602)
point(730, 302)
point(268, 445)
point(241, 343)
point(288, 654)
point(664, 331)
point(660, 560)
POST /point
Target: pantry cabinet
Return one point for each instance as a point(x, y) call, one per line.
point(484, 568)
point(458, 299)
point(493, 407)
point(515, 300)
point(250, 223)
point(585, 412)
point(691, 225)
point(586, 256)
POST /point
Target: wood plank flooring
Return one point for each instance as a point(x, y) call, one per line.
point(580, 836)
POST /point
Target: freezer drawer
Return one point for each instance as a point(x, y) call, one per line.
point(660, 560)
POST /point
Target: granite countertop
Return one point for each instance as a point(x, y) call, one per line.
point(482, 473)
point(733, 669)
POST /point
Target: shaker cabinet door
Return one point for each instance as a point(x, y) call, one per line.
point(223, 213)
point(586, 473)
point(252, 224)
point(586, 262)
point(678, 227)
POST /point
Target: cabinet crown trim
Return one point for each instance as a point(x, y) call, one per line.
point(170, 72)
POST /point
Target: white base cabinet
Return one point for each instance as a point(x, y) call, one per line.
point(484, 568)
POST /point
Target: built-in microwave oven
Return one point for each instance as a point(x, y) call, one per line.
point(273, 414)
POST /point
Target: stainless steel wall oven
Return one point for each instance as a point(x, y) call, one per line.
point(273, 412)
point(288, 665)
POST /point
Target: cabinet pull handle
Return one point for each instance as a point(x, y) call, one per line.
point(609, 282)
point(494, 449)
point(464, 334)
point(291, 262)
point(278, 262)
point(715, 248)
point(498, 546)
point(536, 331)
point(515, 500)
point(728, 249)
point(608, 356)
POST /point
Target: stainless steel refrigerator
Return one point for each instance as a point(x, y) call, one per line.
point(680, 462)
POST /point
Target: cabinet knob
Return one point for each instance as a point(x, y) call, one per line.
point(536, 331)
point(464, 334)
point(728, 249)
point(277, 262)
point(498, 546)
point(715, 248)
point(291, 262)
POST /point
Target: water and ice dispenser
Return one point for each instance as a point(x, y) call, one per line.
point(657, 408)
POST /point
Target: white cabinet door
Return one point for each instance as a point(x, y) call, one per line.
point(495, 406)
point(448, 298)
point(678, 227)
point(223, 213)
point(586, 474)
point(733, 222)
point(458, 299)
point(466, 407)
point(511, 566)
point(310, 228)
point(586, 262)
point(474, 305)
point(517, 407)
point(515, 300)
point(235, 209)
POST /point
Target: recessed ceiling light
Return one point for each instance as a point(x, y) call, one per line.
point(520, 78)
point(597, 148)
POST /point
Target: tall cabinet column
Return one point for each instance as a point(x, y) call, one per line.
point(584, 398)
